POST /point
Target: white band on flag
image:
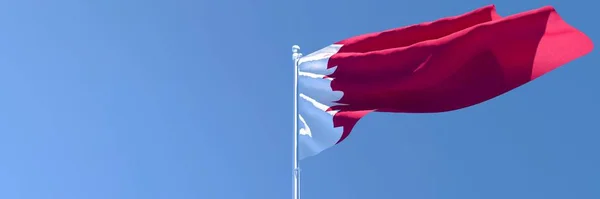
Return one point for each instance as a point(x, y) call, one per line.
point(315, 96)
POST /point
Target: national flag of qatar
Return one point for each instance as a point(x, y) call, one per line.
point(439, 66)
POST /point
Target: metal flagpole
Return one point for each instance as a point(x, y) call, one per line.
point(296, 56)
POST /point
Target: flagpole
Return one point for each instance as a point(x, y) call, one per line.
point(296, 56)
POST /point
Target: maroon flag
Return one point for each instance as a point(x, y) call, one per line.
point(439, 66)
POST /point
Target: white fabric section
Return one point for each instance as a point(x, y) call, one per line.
point(317, 104)
point(314, 75)
point(306, 129)
point(318, 89)
point(316, 131)
point(316, 62)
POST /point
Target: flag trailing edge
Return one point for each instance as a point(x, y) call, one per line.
point(444, 65)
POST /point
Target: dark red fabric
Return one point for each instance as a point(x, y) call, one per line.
point(449, 64)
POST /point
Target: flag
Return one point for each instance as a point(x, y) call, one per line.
point(439, 66)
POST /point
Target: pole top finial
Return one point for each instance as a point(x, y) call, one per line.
point(296, 52)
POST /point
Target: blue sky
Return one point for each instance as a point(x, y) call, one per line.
point(193, 99)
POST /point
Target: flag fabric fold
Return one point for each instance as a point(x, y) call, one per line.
point(439, 66)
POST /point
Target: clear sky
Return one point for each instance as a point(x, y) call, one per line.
point(178, 99)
